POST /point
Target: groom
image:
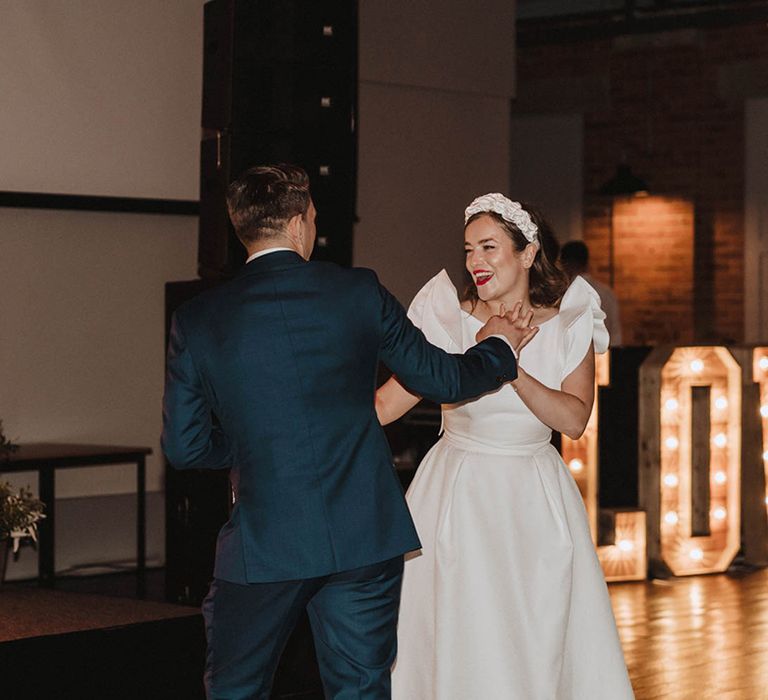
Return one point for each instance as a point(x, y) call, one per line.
point(272, 375)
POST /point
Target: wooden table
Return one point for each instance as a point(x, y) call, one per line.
point(45, 458)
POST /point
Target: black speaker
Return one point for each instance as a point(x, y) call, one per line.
point(196, 501)
point(279, 85)
point(618, 436)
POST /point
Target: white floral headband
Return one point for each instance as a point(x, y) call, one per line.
point(508, 210)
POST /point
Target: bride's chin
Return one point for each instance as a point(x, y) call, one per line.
point(483, 294)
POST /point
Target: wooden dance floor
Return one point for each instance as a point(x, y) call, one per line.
point(697, 638)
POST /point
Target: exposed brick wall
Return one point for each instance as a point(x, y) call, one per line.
point(669, 106)
point(653, 269)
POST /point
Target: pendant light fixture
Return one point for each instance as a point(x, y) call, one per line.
point(624, 183)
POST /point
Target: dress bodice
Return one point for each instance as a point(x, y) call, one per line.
point(499, 420)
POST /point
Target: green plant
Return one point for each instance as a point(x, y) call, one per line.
point(6, 446)
point(19, 514)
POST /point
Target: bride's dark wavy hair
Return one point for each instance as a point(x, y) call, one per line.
point(547, 282)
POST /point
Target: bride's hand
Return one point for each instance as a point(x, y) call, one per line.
point(531, 331)
point(512, 326)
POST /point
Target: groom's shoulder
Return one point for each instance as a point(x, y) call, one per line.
point(209, 302)
point(198, 305)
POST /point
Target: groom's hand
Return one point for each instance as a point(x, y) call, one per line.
point(514, 327)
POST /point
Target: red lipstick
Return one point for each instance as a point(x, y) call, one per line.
point(482, 277)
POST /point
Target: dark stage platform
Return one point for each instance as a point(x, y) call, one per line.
point(55, 644)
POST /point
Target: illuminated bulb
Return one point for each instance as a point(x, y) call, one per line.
point(719, 513)
point(576, 465)
point(765, 456)
point(763, 363)
point(697, 366)
point(721, 440)
point(696, 554)
point(671, 518)
point(671, 404)
point(671, 443)
point(670, 480)
point(626, 545)
point(721, 403)
point(766, 500)
point(720, 477)
point(764, 410)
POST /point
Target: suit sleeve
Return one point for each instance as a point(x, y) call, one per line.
point(190, 440)
point(433, 373)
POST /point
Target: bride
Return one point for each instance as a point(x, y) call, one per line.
point(506, 600)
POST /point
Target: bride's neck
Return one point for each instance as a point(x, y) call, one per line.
point(494, 306)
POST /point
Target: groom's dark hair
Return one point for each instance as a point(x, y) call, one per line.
point(264, 198)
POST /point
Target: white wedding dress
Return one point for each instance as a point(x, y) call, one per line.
point(506, 600)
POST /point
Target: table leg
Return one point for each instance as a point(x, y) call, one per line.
point(141, 527)
point(45, 531)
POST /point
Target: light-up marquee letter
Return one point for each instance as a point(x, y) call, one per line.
point(690, 437)
point(760, 375)
point(624, 559)
point(581, 455)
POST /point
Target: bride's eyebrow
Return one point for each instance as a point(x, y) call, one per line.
point(485, 240)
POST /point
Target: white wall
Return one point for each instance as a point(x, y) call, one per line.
point(81, 339)
point(436, 79)
point(101, 97)
point(82, 352)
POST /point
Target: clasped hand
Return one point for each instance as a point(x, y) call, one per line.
point(513, 325)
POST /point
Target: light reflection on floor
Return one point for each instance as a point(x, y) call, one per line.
point(695, 638)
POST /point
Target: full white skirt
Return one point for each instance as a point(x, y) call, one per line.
point(507, 599)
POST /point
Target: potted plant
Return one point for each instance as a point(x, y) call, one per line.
point(19, 511)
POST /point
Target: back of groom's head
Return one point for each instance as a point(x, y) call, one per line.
point(264, 198)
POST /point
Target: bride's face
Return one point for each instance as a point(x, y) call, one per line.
point(497, 269)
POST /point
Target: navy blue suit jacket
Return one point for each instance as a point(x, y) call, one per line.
point(274, 375)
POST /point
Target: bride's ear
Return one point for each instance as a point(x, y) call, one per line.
point(529, 255)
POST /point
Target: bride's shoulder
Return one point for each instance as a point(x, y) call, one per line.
point(582, 316)
point(437, 292)
point(436, 310)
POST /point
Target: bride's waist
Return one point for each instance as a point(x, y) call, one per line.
point(477, 444)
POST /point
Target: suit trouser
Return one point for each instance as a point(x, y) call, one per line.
point(353, 615)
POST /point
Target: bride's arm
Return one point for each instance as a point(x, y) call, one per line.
point(567, 410)
point(393, 400)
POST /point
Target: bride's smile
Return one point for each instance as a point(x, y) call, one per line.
point(482, 277)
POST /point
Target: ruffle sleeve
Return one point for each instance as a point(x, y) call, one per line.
point(436, 311)
point(583, 322)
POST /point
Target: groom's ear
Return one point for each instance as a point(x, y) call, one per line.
point(294, 228)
